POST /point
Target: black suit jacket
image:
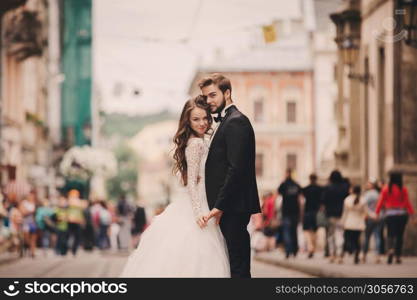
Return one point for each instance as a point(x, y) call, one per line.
point(230, 166)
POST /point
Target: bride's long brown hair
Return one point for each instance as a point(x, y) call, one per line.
point(184, 133)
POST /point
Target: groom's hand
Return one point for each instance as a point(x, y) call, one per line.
point(216, 213)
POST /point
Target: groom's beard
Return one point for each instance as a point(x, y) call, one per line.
point(221, 107)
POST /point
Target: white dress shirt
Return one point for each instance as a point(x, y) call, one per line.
point(223, 114)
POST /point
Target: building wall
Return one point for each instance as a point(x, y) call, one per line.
point(325, 96)
point(378, 96)
point(54, 75)
point(76, 66)
point(405, 128)
point(24, 96)
point(391, 115)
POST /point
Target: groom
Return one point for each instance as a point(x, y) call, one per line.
point(231, 189)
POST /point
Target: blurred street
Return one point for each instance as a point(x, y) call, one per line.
point(320, 266)
point(96, 264)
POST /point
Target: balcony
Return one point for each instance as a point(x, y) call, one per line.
point(23, 35)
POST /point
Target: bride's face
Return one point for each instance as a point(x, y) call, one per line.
point(199, 121)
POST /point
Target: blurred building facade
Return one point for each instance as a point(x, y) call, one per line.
point(153, 145)
point(273, 85)
point(24, 103)
point(77, 69)
point(42, 88)
point(325, 87)
point(377, 108)
point(76, 89)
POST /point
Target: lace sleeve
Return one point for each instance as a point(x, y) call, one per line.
point(193, 154)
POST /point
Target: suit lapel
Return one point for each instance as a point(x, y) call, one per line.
point(229, 112)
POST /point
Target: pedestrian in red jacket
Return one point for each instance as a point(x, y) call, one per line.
point(394, 200)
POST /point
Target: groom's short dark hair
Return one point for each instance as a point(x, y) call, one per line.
point(217, 79)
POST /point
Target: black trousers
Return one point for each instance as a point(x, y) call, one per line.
point(396, 227)
point(351, 242)
point(74, 231)
point(234, 229)
point(289, 224)
point(62, 243)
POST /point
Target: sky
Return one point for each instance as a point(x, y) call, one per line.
point(155, 47)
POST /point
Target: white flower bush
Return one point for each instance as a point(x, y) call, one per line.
point(84, 162)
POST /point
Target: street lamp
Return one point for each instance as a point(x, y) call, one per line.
point(410, 21)
point(348, 37)
point(350, 51)
point(351, 36)
point(347, 34)
point(339, 22)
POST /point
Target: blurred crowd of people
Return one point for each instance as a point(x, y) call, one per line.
point(67, 223)
point(380, 212)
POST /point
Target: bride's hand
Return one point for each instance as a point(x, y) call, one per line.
point(201, 222)
point(216, 213)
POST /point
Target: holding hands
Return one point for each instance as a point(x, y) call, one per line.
point(201, 222)
point(216, 213)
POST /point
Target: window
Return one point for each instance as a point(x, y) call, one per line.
point(257, 95)
point(291, 112)
point(292, 161)
point(259, 164)
point(259, 110)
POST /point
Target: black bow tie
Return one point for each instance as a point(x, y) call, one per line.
point(219, 118)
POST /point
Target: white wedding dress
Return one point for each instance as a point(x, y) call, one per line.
point(174, 245)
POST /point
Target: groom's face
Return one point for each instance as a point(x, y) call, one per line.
point(215, 98)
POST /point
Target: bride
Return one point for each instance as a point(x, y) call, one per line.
point(179, 243)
